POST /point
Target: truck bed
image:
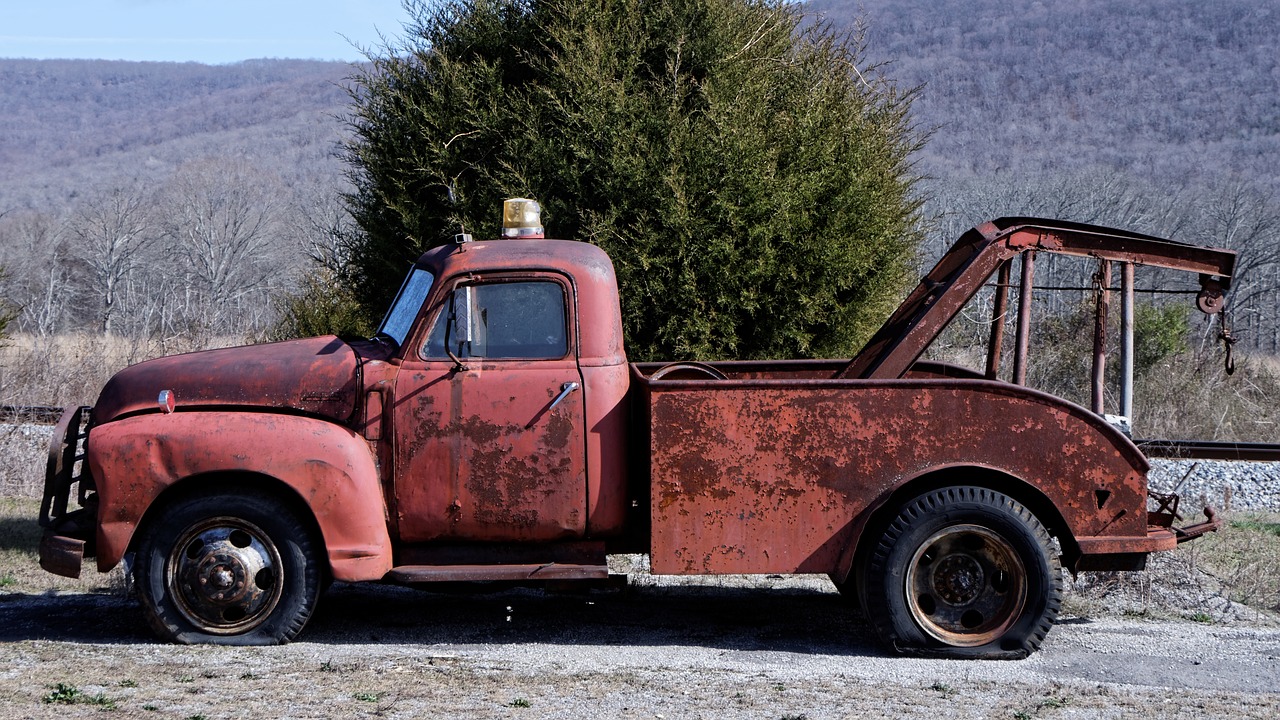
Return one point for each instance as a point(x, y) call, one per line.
point(776, 467)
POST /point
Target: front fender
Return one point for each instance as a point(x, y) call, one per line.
point(134, 460)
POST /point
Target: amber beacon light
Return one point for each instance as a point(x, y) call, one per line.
point(521, 218)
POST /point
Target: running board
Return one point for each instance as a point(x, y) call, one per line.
point(410, 574)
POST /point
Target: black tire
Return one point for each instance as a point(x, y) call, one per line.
point(228, 569)
point(963, 572)
point(848, 589)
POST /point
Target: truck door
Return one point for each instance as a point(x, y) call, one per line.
point(489, 417)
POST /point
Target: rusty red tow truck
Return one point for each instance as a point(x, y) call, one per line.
point(493, 430)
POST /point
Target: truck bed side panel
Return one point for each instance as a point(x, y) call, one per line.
point(772, 476)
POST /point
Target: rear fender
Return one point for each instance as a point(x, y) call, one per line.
point(331, 469)
point(879, 513)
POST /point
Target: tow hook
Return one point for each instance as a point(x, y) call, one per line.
point(1166, 512)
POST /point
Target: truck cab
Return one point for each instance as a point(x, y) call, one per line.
point(502, 408)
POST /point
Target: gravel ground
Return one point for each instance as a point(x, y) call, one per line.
point(746, 648)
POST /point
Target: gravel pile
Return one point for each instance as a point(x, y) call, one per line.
point(1224, 485)
point(25, 449)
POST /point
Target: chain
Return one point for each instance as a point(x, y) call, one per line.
point(1228, 340)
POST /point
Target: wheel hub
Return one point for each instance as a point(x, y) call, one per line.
point(958, 579)
point(224, 575)
point(966, 586)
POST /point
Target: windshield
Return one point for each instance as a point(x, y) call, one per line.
point(408, 301)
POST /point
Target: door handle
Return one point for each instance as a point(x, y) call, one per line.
point(565, 390)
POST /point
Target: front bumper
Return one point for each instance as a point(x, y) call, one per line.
point(69, 533)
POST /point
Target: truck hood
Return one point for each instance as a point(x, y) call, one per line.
point(315, 376)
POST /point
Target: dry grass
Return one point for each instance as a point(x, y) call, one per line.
point(1245, 558)
point(20, 570)
point(1192, 396)
point(1228, 576)
point(71, 369)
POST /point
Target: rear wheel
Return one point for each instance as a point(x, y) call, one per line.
point(234, 569)
point(963, 572)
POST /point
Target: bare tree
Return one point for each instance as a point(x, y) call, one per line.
point(38, 270)
point(1239, 215)
point(221, 217)
point(112, 229)
point(325, 228)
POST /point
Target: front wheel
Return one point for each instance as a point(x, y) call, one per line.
point(963, 572)
point(228, 569)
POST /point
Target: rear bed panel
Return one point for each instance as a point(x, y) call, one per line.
point(771, 476)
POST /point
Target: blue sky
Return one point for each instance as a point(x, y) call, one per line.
point(208, 31)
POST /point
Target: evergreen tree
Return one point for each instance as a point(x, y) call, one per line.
point(751, 185)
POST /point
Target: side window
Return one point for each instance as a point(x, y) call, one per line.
point(516, 320)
